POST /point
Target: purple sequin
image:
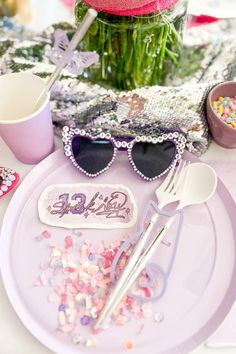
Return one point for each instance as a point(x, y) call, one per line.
point(85, 320)
point(91, 256)
point(62, 307)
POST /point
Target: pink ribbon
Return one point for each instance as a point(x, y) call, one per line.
point(130, 7)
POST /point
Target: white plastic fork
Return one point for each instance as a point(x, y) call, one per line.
point(170, 189)
point(168, 192)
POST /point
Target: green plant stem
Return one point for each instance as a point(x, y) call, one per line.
point(134, 51)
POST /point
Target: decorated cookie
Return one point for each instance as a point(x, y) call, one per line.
point(84, 205)
point(8, 180)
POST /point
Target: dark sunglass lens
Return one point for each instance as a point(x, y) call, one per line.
point(153, 159)
point(92, 155)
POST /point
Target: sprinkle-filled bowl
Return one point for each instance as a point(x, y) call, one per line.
point(223, 133)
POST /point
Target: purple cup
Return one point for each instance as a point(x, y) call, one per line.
point(222, 133)
point(26, 131)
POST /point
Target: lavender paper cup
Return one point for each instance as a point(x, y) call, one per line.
point(28, 133)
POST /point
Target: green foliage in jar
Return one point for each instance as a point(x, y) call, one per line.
point(136, 50)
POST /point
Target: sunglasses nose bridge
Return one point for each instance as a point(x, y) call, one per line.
point(122, 145)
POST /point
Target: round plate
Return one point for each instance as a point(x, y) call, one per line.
point(201, 285)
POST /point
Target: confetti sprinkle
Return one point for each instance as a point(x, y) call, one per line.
point(79, 276)
point(77, 232)
point(158, 317)
point(129, 345)
point(90, 342)
point(46, 234)
point(85, 320)
point(140, 330)
point(77, 339)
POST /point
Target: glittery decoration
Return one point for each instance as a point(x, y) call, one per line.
point(79, 283)
point(209, 57)
point(128, 345)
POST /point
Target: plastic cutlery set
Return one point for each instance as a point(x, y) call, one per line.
point(187, 184)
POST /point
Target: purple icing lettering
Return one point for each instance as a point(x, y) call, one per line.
point(91, 204)
point(62, 207)
point(79, 207)
point(114, 207)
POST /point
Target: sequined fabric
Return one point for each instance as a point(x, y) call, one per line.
point(209, 57)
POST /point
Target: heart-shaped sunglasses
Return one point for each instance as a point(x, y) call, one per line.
point(150, 157)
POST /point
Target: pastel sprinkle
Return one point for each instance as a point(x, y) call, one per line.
point(129, 345)
point(158, 317)
point(225, 109)
point(85, 320)
point(90, 342)
point(62, 308)
point(147, 311)
point(67, 328)
point(79, 276)
point(77, 338)
point(96, 330)
point(62, 318)
point(140, 329)
point(121, 320)
point(77, 232)
point(68, 242)
point(46, 234)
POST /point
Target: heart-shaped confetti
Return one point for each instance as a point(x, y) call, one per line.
point(8, 180)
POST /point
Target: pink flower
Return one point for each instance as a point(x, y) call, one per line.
point(130, 7)
point(69, 3)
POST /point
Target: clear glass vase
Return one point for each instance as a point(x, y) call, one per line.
point(134, 51)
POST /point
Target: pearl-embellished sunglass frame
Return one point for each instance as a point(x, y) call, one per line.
point(177, 138)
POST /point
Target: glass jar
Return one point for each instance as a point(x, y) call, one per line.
point(134, 50)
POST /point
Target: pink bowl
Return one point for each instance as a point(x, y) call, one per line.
point(222, 133)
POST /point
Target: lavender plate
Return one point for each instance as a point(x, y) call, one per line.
point(201, 285)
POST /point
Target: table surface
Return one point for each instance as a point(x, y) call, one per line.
point(14, 338)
